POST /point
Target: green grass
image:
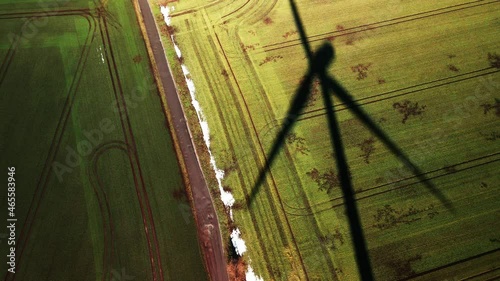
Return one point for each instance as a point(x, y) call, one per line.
point(131, 158)
point(246, 67)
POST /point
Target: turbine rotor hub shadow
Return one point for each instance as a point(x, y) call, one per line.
point(322, 58)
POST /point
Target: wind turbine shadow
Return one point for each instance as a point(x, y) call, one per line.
point(318, 65)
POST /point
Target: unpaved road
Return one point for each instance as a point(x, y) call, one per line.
point(207, 222)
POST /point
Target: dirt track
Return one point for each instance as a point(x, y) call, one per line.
point(207, 222)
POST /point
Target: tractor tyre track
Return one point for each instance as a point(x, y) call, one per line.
point(401, 180)
point(393, 189)
point(98, 188)
point(380, 24)
point(132, 151)
point(263, 152)
point(253, 216)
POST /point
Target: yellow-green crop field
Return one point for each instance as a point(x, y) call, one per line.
point(427, 72)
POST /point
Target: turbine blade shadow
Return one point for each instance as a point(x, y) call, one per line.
point(393, 147)
point(351, 209)
point(298, 103)
point(302, 32)
point(318, 65)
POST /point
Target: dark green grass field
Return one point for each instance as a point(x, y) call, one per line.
point(99, 193)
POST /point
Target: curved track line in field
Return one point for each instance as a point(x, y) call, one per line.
point(54, 148)
point(249, 16)
point(244, 4)
point(101, 196)
point(12, 49)
point(377, 25)
point(254, 14)
point(213, 3)
point(389, 190)
point(122, 107)
point(130, 141)
point(264, 153)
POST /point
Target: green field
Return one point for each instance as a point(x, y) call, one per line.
point(99, 192)
point(426, 72)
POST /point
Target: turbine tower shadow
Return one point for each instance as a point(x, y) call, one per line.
point(318, 65)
